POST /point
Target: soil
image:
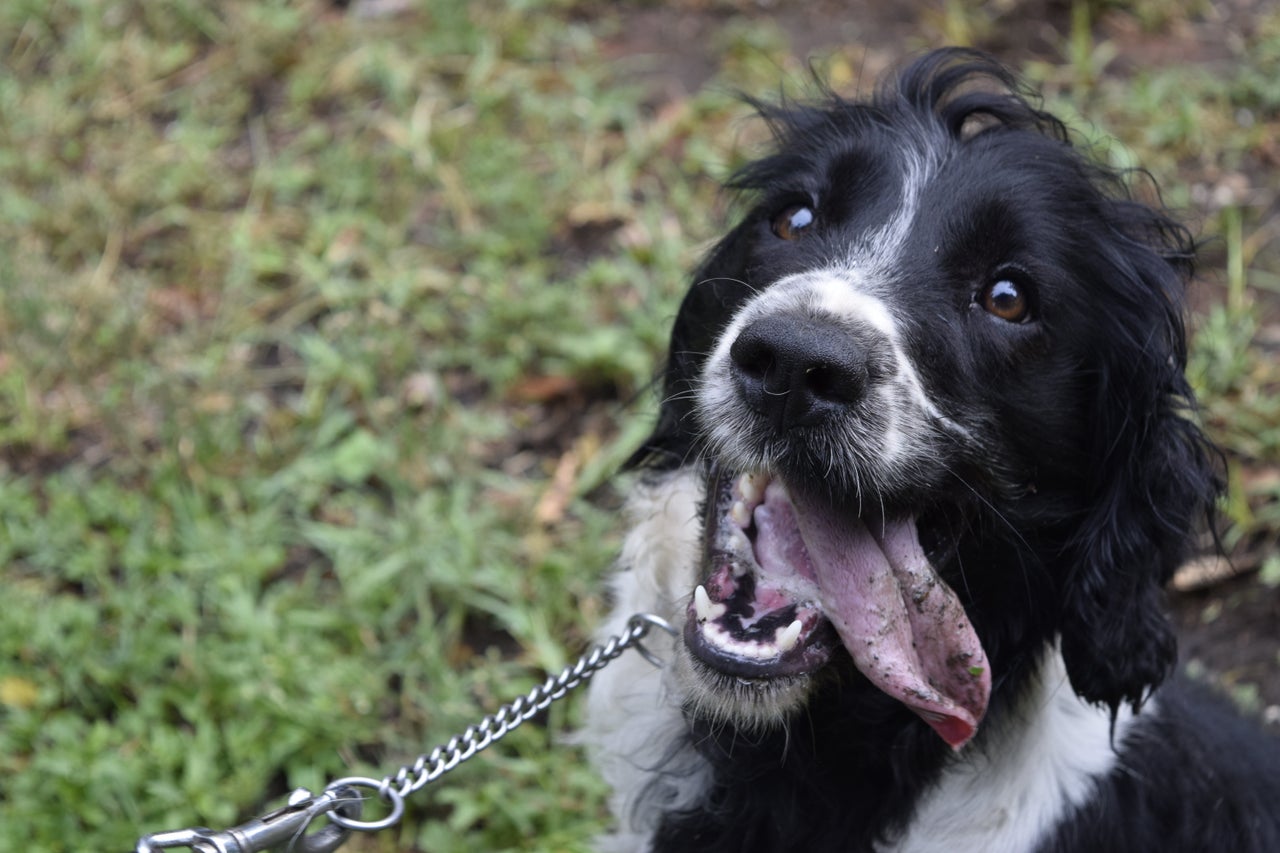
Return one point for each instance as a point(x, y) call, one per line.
point(1229, 629)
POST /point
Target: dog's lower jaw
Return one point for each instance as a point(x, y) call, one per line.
point(747, 704)
point(661, 559)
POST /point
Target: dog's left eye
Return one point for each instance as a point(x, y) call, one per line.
point(792, 221)
point(1007, 299)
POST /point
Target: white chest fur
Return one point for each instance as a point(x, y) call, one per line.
point(1005, 792)
point(634, 721)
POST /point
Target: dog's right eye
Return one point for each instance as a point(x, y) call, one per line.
point(792, 221)
point(1007, 299)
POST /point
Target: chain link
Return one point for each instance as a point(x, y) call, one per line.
point(292, 822)
point(432, 765)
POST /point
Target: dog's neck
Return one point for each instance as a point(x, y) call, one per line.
point(899, 787)
point(1036, 763)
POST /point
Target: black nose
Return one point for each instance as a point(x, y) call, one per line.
point(798, 371)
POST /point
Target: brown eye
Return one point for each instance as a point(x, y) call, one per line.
point(791, 222)
point(1007, 300)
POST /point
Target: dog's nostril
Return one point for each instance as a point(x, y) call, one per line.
point(752, 355)
point(797, 371)
point(826, 383)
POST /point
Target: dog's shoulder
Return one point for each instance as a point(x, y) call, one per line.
point(1191, 769)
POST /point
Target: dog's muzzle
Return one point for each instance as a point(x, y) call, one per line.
point(800, 371)
point(787, 579)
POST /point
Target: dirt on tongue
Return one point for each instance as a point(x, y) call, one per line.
point(904, 627)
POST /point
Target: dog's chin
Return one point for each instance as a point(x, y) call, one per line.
point(748, 704)
point(791, 583)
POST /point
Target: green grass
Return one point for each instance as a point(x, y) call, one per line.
point(302, 315)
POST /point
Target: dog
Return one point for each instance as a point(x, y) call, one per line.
point(925, 459)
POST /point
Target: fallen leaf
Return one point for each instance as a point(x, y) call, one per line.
point(16, 692)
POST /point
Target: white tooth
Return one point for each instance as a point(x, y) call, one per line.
point(740, 514)
point(749, 488)
point(789, 636)
point(702, 603)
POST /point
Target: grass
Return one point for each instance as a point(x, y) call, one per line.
point(322, 335)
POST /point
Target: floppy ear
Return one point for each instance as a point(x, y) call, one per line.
point(719, 287)
point(1156, 478)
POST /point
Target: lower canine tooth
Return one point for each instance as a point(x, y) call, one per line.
point(740, 514)
point(789, 636)
point(702, 603)
point(705, 607)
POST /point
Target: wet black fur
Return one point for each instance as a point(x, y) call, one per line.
point(1067, 523)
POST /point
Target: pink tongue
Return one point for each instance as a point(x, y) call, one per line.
point(904, 627)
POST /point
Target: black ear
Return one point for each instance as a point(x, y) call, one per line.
point(1156, 478)
point(719, 287)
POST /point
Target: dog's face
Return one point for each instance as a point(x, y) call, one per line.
point(898, 325)
point(936, 371)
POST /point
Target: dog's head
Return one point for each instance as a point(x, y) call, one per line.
point(935, 381)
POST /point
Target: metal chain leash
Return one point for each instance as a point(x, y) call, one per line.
point(341, 801)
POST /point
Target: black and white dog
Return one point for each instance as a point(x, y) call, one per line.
point(923, 465)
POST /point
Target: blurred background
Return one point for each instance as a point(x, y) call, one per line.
point(324, 327)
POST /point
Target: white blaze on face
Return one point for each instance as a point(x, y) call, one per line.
point(888, 433)
point(860, 289)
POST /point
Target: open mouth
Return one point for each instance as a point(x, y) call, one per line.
point(746, 620)
point(790, 578)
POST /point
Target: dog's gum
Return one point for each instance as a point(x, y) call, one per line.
point(721, 584)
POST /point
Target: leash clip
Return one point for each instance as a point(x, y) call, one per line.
point(285, 827)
